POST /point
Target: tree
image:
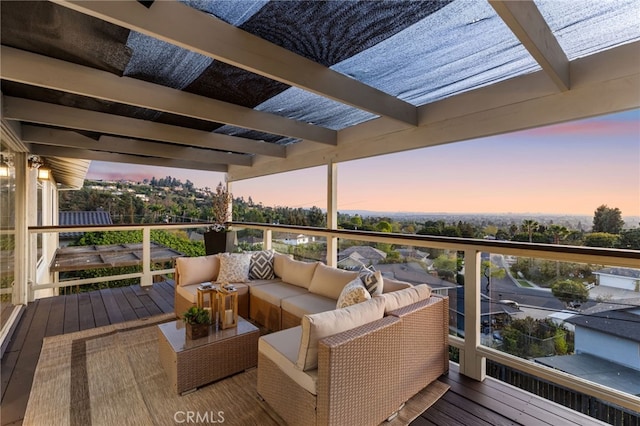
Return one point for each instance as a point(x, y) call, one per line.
point(490, 270)
point(607, 220)
point(356, 221)
point(558, 233)
point(601, 239)
point(630, 239)
point(383, 226)
point(530, 226)
point(569, 291)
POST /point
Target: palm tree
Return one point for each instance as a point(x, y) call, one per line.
point(558, 232)
point(529, 226)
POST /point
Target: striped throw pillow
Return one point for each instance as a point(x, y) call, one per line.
point(372, 280)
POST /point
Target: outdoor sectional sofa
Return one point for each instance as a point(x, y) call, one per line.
point(326, 365)
point(295, 289)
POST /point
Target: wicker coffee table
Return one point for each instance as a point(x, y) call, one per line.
point(193, 363)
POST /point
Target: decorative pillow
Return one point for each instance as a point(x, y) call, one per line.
point(234, 267)
point(372, 280)
point(298, 273)
point(352, 293)
point(196, 270)
point(261, 265)
point(329, 282)
point(401, 298)
point(324, 324)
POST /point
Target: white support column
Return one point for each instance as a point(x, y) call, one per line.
point(332, 212)
point(22, 255)
point(266, 239)
point(471, 363)
point(146, 279)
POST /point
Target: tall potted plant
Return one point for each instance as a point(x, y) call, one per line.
point(215, 239)
point(196, 322)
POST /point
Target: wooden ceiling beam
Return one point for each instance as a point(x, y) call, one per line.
point(29, 111)
point(207, 35)
point(528, 25)
point(37, 70)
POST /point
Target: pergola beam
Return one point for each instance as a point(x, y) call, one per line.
point(198, 32)
point(85, 154)
point(29, 68)
point(71, 139)
point(29, 111)
point(527, 23)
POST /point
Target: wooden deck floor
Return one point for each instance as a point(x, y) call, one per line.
point(467, 402)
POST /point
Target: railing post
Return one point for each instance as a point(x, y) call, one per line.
point(332, 212)
point(472, 364)
point(266, 239)
point(146, 279)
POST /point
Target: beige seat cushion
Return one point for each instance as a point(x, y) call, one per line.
point(274, 293)
point(296, 272)
point(405, 297)
point(196, 270)
point(307, 304)
point(255, 283)
point(319, 326)
point(282, 348)
point(278, 262)
point(329, 282)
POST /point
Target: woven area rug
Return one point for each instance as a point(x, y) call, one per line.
point(112, 376)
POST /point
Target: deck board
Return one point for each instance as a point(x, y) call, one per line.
point(114, 314)
point(61, 315)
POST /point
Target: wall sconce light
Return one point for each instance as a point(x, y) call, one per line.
point(6, 163)
point(35, 162)
point(43, 173)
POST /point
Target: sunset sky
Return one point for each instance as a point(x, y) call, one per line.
point(568, 168)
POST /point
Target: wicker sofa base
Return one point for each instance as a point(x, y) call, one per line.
point(265, 313)
point(289, 320)
point(295, 405)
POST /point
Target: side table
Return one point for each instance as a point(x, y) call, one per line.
point(190, 364)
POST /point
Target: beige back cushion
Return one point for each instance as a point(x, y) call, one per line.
point(278, 263)
point(196, 270)
point(296, 272)
point(401, 298)
point(324, 324)
point(329, 282)
point(394, 285)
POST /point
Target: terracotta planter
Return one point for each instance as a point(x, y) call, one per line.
point(197, 331)
point(215, 242)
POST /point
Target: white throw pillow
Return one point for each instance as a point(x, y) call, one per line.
point(196, 270)
point(401, 298)
point(234, 267)
point(352, 293)
point(329, 282)
point(324, 324)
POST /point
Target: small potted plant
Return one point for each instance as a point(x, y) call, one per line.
point(197, 322)
point(215, 239)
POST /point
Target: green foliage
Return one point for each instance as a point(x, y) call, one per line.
point(601, 239)
point(196, 315)
point(383, 226)
point(545, 272)
point(570, 291)
point(446, 265)
point(630, 239)
point(608, 220)
point(530, 338)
